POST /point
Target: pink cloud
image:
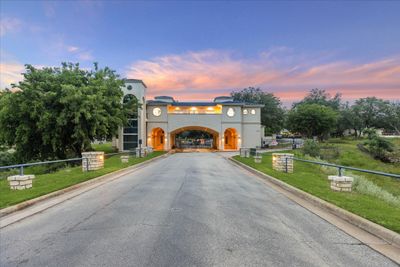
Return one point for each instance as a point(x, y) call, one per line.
point(10, 72)
point(279, 70)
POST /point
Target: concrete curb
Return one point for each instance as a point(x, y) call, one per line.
point(387, 235)
point(106, 177)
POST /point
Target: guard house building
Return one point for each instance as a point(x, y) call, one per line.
point(165, 123)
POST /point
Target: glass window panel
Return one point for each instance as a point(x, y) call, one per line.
point(130, 146)
point(130, 138)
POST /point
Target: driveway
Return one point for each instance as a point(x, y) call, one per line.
point(187, 209)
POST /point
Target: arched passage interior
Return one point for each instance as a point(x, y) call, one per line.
point(157, 139)
point(230, 139)
point(194, 137)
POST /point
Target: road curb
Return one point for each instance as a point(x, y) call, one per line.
point(106, 177)
point(381, 232)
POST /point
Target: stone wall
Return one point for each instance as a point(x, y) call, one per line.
point(93, 160)
point(279, 162)
point(341, 183)
point(20, 182)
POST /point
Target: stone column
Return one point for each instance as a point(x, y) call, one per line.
point(282, 162)
point(124, 159)
point(341, 183)
point(93, 160)
point(20, 182)
point(257, 158)
point(242, 152)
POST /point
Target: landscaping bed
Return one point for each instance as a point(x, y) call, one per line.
point(47, 183)
point(312, 179)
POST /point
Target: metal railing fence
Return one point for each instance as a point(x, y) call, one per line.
point(21, 166)
point(341, 168)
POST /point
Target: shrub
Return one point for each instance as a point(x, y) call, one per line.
point(7, 158)
point(329, 152)
point(364, 186)
point(311, 148)
point(379, 147)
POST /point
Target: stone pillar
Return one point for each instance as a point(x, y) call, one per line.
point(282, 162)
point(247, 153)
point(242, 152)
point(93, 160)
point(124, 159)
point(341, 183)
point(257, 158)
point(20, 182)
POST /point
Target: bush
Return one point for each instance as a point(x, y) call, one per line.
point(311, 148)
point(377, 146)
point(364, 186)
point(329, 152)
point(7, 158)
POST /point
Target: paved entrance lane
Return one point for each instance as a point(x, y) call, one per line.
point(188, 209)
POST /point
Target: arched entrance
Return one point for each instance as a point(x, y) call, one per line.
point(157, 139)
point(230, 139)
point(194, 137)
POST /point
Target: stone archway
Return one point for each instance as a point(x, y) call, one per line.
point(230, 139)
point(157, 139)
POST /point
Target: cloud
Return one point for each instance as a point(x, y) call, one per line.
point(280, 70)
point(85, 56)
point(8, 25)
point(10, 72)
point(72, 49)
point(49, 9)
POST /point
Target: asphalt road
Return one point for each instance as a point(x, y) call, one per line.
point(185, 210)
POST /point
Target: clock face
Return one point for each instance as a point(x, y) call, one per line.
point(156, 112)
point(230, 112)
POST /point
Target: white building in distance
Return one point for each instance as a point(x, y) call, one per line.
point(165, 123)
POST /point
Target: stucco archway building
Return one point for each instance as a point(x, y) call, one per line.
point(160, 122)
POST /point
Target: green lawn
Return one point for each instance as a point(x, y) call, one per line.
point(310, 178)
point(106, 147)
point(350, 155)
point(46, 183)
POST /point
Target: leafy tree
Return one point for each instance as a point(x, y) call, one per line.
point(348, 119)
point(272, 114)
point(59, 111)
point(312, 120)
point(392, 116)
point(321, 97)
point(371, 111)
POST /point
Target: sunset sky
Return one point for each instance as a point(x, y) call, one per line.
point(198, 50)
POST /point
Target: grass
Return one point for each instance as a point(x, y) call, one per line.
point(106, 147)
point(312, 179)
point(350, 155)
point(47, 183)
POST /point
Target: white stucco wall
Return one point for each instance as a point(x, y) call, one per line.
point(247, 126)
point(139, 91)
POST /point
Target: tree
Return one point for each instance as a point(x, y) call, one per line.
point(347, 120)
point(58, 112)
point(272, 114)
point(392, 117)
point(312, 120)
point(371, 111)
point(321, 97)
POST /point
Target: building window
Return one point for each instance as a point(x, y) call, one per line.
point(129, 87)
point(130, 131)
point(230, 112)
point(157, 112)
point(253, 111)
point(245, 112)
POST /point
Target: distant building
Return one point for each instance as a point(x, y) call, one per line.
point(231, 124)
